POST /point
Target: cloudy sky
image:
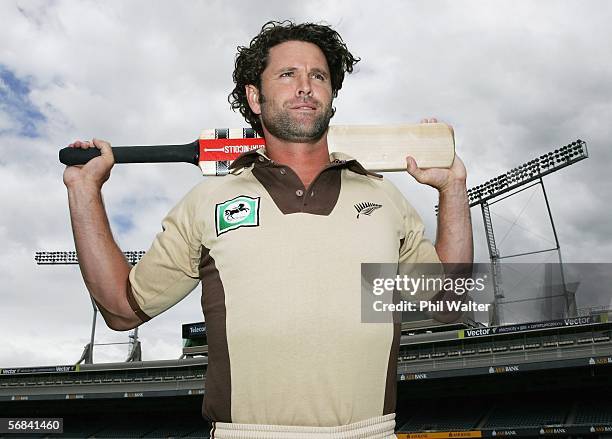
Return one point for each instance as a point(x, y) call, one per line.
point(515, 79)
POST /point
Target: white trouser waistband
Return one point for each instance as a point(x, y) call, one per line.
point(379, 427)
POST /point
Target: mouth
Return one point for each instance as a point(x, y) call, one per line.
point(303, 107)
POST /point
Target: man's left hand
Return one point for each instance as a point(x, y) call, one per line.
point(438, 178)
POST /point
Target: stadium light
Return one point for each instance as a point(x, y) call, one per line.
point(510, 182)
point(527, 172)
point(71, 258)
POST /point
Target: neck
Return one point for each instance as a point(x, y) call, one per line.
point(306, 159)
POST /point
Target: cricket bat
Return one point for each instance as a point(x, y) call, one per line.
point(379, 148)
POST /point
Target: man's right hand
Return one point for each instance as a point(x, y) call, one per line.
point(96, 171)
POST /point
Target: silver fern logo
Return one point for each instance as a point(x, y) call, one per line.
point(366, 208)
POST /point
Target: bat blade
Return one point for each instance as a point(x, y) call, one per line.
point(379, 148)
point(383, 148)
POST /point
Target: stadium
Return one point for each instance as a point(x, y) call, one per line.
point(550, 377)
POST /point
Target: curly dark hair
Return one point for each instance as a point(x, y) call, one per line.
point(251, 61)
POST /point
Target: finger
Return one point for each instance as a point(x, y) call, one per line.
point(80, 144)
point(103, 146)
point(412, 168)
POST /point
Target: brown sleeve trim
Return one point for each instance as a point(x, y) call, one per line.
point(134, 305)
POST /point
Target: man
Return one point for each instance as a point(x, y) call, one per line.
point(278, 247)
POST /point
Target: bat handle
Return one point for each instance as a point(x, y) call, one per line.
point(135, 154)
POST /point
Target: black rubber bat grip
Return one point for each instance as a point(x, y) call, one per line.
point(188, 153)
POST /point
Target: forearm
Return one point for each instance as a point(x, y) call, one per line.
point(103, 265)
point(454, 242)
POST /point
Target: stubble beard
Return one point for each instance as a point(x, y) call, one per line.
point(280, 123)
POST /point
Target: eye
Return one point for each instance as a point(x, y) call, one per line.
point(319, 76)
point(286, 74)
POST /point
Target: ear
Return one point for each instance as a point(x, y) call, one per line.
point(252, 94)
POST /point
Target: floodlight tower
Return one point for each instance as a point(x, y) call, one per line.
point(70, 258)
point(511, 183)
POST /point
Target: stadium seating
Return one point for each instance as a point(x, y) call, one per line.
point(201, 433)
point(129, 427)
point(414, 415)
point(593, 412)
point(513, 414)
point(444, 416)
point(177, 428)
point(447, 400)
point(425, 352)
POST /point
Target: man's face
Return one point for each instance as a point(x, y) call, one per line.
point(295, 98)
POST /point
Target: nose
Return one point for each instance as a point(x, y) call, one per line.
point(304, 87)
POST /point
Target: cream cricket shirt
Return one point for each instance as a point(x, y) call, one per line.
point(280, 272)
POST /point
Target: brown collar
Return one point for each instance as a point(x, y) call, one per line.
point(337, 160)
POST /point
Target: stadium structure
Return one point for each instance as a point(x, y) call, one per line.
point(550, 378)
point(545, 378)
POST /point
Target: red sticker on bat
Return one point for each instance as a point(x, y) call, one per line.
point(215, 150)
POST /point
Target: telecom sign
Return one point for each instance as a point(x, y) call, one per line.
point(194, 330)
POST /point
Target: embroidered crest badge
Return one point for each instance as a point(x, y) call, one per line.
point(238, 212)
